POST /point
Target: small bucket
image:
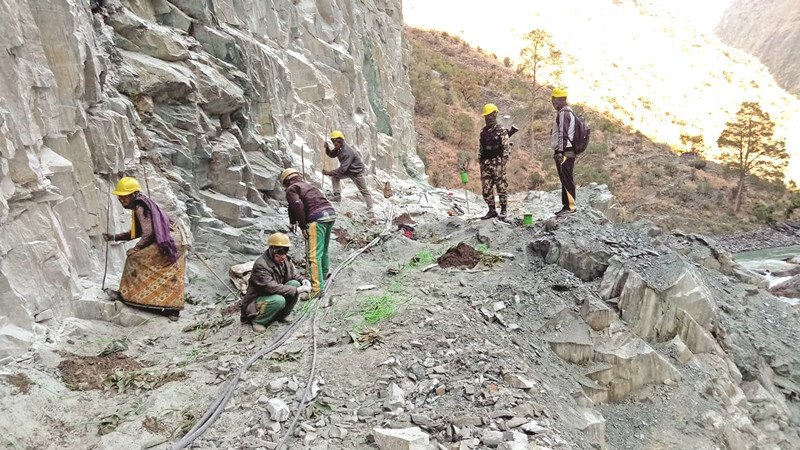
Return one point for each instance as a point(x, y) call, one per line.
point(464, 177)
point(527, 220)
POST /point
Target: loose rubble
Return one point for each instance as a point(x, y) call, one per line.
point(586, 334)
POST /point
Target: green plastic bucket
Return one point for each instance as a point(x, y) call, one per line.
point(527, 220)
point(464, 177)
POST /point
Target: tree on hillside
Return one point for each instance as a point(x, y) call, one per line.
point(464, 126)
point(467, 88)
point(749, 147)
point(692, 143)
point(539, 59)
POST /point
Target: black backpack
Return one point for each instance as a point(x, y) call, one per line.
point(581, 136)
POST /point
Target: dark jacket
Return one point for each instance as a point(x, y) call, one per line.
point(350, 165)
point(268, 278)
point(494, 143)
point(306, 203)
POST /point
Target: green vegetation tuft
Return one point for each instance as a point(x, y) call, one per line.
point(421, 258)
point(375, 308)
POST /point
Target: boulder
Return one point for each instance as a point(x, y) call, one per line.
point(401, 439)
point(237, 213)
point(240, 275)
point(584, 256)
point(789, 288)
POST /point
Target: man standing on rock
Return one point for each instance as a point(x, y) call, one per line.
point(493, 156)
point(350, 166)
point(562, 137)
point(315, 215)
point(274, 285)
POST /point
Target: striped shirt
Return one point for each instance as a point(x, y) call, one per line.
point(563, 132)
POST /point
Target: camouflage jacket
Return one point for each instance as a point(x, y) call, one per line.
point(494, 143)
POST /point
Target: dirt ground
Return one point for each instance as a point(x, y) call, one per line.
point(396, 347)
point(83, 373)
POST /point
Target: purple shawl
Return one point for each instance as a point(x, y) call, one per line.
point(166, 245)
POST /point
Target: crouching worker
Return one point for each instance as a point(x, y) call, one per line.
point(274, 285)
point(154, 271)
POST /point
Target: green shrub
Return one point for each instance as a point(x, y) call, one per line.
point(603, 124)
point(698, 164)
point(597, 148)
point(705, 188)
point(589, 173)
point(518, 90)
point(763, 213)
point(441, 128)
point(671, 169)
point(436, 178)
point(535, 181)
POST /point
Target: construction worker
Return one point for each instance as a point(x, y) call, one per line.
point(314, 214)
point(350, 166)
point(562, 136)
point(493, 156)
point(154, 271)
point(274, 285)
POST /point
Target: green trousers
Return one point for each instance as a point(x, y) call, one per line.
point(319, 238)
point(275, 307)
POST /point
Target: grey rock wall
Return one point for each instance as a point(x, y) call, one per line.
point(204, 101)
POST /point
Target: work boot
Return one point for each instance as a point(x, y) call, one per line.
point(336, 197)
point(258, 328)
point(503, 214)
point(492, 213)
point(565, 212)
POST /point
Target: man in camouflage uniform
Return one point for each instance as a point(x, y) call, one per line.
point(493, 156)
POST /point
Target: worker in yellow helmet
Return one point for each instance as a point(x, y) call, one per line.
point(154, 271)
point(350, 166)
point(562, 135)
point(315, 216)
point(274, 286)
point(493, 156)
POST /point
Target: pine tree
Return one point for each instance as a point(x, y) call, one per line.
point(749, 147)
point(539, 59)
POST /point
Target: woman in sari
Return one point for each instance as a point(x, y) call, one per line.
point(154, 271)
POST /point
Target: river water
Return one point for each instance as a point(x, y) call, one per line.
point(770, 260)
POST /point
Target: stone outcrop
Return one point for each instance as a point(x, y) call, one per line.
point(789, 288)
point(769, 31)
point(205, 101)
point(670, 308)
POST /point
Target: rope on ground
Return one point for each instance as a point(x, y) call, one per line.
point(299, 410)
point(218, 405)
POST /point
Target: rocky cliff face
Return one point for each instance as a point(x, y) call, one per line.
point(204, 101)
point(769, 31)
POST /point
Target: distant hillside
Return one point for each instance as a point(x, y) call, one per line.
point(769, 31)
point(642, 62)
point(451, 81)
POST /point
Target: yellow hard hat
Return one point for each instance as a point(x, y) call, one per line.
point(279, 240)
point(489, 108)
point(337, 135)
point(559, 93)
point(127, 186)
point(288, 173)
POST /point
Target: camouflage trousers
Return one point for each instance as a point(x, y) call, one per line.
point(493, 176)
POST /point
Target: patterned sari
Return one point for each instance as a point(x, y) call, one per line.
point(150, 280)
